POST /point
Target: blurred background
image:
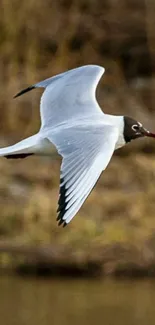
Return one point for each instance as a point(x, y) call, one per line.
point(114, 232)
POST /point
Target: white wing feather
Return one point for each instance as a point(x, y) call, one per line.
point(70, 96)
point(86, 152)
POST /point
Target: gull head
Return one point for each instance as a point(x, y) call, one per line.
point(134, 129)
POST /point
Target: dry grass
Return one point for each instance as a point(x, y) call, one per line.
point(116, 215)
point(40, 39)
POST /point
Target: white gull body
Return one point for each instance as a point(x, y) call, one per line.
point(83, 135)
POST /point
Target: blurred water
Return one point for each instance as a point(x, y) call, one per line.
point(55, 301)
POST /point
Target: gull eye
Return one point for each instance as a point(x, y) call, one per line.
point(135, 127)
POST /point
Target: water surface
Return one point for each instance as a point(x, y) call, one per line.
point(25, 301)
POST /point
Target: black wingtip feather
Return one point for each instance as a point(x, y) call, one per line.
point(18, 155)
point(65, 224)
point(24, 91)
point(61, 204)
point(58, 216)
point(60, 222)
point(61, 214)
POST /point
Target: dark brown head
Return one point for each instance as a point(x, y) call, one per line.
point(134, 130)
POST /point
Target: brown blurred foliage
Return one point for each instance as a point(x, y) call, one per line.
point(39, 39)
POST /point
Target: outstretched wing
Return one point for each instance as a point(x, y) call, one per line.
point(86, 152)
point(69, 96)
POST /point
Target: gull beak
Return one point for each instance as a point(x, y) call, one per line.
point(147, 133)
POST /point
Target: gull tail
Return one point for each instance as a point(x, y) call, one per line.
point(22, 149)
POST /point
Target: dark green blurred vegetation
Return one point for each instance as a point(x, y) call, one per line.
point(116, 227)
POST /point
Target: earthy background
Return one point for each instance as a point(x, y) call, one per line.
point(114, 232)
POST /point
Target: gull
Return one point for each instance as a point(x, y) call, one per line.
point(85, 137)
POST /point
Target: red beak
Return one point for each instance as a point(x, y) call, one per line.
point(148, 133)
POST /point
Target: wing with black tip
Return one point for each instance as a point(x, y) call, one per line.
point(69, 95)
point(86, 152)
